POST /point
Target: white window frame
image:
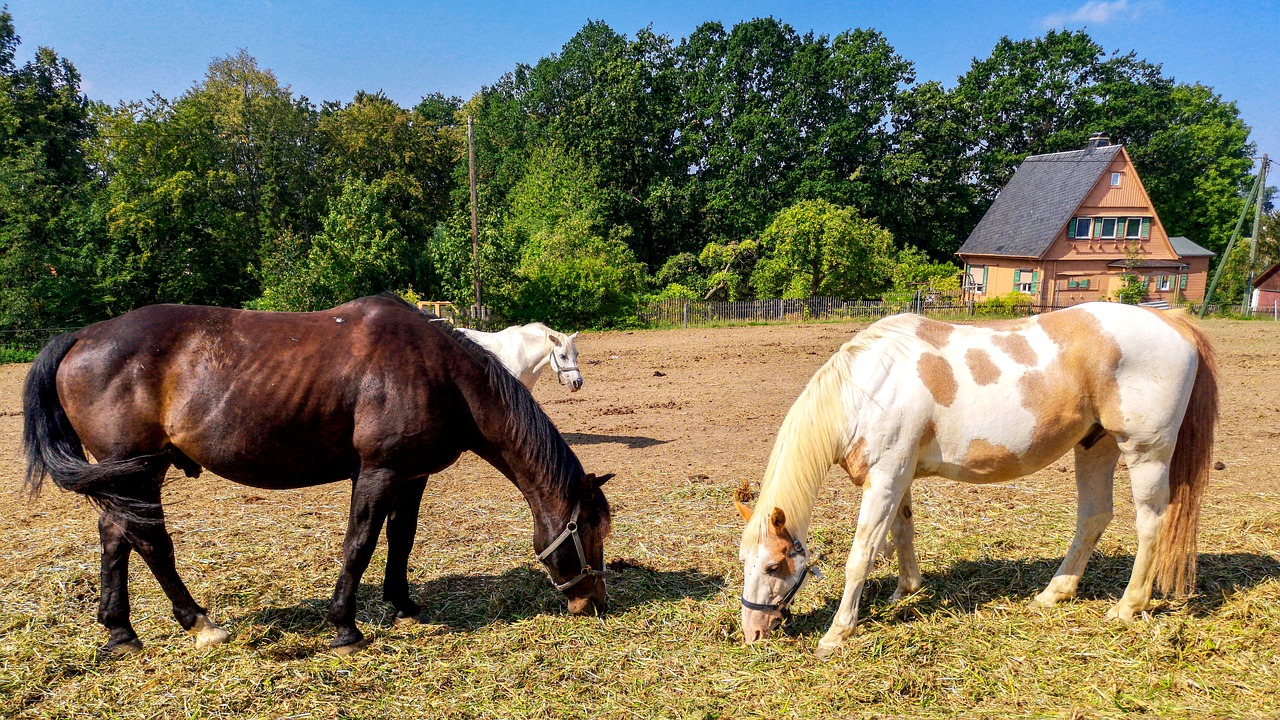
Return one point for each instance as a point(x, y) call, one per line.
point(1027, 286)
point(1114, 223)
point(1137, 233)
point(977, 285)
point(1164, 283)
point(1075, 228)
point(1115, 179)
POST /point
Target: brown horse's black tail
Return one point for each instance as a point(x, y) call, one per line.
point(53, 447)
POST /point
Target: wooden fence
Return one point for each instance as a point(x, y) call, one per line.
point(684, 313)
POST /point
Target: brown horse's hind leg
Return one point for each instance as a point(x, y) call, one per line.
point(372, 495)
point(402, 524)
point(113, 605)
point(151, 539)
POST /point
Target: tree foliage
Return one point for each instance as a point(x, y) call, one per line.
point(741, 161)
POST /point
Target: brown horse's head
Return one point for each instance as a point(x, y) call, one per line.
point(574, 555)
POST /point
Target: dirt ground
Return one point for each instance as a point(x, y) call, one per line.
point(681, 417)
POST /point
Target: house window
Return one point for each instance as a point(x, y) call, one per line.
point(978, 279)
point(1080, 284)
point(1115, 179)
point(1133, 228)
point(1108, 227)
point(1164, 282)
point(1025, 280)
point(1080, 227)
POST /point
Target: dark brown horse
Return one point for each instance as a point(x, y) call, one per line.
point(371, 391)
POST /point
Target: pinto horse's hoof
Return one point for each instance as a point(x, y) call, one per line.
point(826, 652)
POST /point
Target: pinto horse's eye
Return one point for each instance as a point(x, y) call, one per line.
point(772, 568)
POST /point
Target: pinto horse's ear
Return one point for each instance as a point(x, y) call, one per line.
point(598, 480)
point(743, 510)
point(778, 520)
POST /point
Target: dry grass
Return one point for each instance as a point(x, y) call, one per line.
point(498, 644)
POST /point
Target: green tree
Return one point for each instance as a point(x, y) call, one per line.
point(47, 190)
point(817, 248)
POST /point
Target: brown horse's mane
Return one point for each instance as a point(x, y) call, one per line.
point(532, 432)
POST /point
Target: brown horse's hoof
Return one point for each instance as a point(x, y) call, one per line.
point(120, 650)
point(352, 648)
point(208, 634)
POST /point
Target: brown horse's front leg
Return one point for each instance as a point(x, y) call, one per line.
point(372, 493)
point(402, 524)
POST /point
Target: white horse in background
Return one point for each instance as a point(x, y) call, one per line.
point(911, 397)
point(527, 350)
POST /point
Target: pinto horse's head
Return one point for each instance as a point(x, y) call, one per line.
point(574, 555)
point(773, 569)
point(564, 359)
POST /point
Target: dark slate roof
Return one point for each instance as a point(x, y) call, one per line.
point(1037, 202)
point(1186, 248)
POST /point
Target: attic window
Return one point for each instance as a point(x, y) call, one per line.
point(1081, 227)
point(1115, 179)
point(1108, 227)
point(1133, 228)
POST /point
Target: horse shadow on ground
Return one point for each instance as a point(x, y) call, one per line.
point(969, 585)
point(634, 442)
point(463, 603)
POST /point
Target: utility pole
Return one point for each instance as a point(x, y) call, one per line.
point(475, 243)
point(1255, 191)
point(1253, 247)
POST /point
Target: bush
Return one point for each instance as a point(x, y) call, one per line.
point(1012, 303)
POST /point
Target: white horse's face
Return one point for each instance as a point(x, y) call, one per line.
point(772, 572)
point(564, 360)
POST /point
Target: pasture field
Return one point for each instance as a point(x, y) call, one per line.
point(497, 642)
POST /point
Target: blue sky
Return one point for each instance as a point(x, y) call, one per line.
point(127, 49)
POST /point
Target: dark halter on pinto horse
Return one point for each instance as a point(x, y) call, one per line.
point(369, 391)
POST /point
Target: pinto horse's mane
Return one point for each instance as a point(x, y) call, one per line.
point(814, 434)
point(532, 432)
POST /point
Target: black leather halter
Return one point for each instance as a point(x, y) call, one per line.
point(560, 369)
point(782, 605)
point(570, 531)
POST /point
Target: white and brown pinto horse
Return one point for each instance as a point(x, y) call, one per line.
point(911, 397)
point(527, 350)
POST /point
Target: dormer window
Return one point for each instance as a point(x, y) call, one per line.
point(1115, 179)
point(1080, 228)
point(1108, 228)
point(1133, 228)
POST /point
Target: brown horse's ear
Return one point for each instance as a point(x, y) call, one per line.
point(778, 520)
point(743, 510)
point(599, 480)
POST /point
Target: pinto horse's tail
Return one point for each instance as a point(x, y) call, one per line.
point(52, 445)
point(1189, 471)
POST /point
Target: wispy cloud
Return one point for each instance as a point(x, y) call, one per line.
point(1096, 12)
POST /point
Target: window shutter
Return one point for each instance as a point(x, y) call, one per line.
point(1097, 228)
point(1035, 282)
point(1084, 283)
point(1017, 278)
point(1146, 228)
point(1182, 284)
point(984, 277)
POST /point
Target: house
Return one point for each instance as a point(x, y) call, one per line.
point(1266, 291)
point(1069, 225)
